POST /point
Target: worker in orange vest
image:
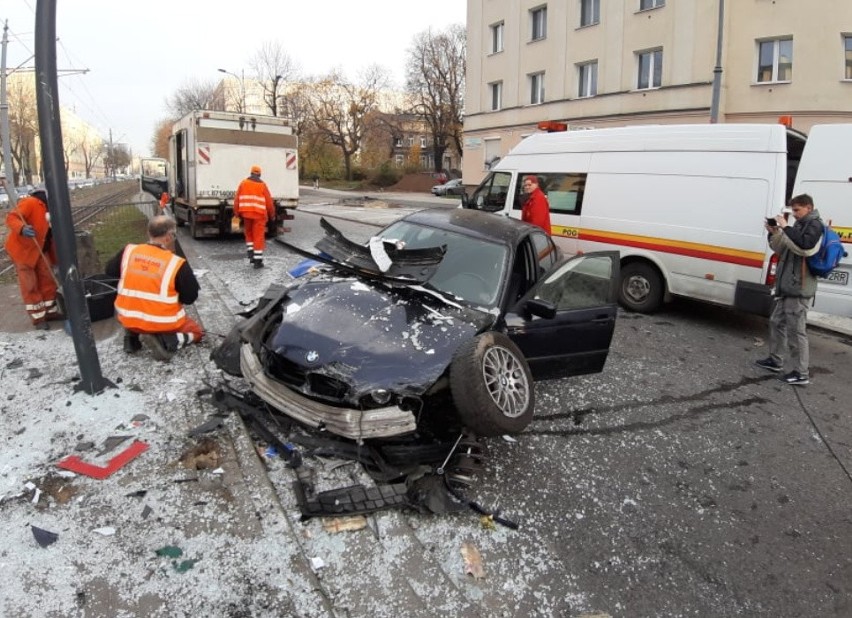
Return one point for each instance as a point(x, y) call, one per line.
point(254, 205)
point(153, 288)
point(30, 245)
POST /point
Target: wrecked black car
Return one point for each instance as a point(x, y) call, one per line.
point(445, 316)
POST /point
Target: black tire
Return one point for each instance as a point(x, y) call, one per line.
point(193, 226)
point(492, 386)
point(641, 288)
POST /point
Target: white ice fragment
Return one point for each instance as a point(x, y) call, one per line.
point(430, 351)
point(66, 474)
point(29, 485)
point(36, 495)
point(317, 563)
point(293, 308)
point(105, 531)
point(508, 438)
point(380, 256)
point(170, 397)
point(219, 471)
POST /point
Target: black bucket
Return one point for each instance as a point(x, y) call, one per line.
point(100, 291)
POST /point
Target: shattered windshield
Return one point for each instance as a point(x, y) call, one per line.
point(472, 269)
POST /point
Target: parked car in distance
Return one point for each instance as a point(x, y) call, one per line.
point(451, 187)
point(443, 319)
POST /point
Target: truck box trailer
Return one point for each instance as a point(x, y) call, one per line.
point(210, 152)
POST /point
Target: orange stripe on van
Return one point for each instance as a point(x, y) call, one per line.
point(690, 249)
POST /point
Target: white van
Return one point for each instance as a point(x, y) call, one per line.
point(684, 205)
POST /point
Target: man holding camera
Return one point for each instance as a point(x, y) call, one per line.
point(795, 287)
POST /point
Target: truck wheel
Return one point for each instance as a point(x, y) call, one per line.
point(492, 386)
point(193, 226)
point(641, 288)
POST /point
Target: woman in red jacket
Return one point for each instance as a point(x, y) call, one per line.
point(535, 210)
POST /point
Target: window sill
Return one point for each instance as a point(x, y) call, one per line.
point(585, 26)
point(648, 89)
point(789, 81)
point(538, 40)
point(585, 96)
point(494, 53)
point(653, 8)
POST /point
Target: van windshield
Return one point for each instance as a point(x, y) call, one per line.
point(492, 193)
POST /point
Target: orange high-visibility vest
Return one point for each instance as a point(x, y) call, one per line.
point(147, 300)
point(253, 201)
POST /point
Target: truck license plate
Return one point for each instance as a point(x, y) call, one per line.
point(840, 277)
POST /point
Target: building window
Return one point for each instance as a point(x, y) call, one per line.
point(399, 160)
point(651, 4)
point(847, 45)
point(775, 60)
point(397, 142)
point(587, 74)
point(497, 38)
point(537, 88)
point(538, 22)
point(423, 141)
point(650, 69)
point(496, 96)
point(590, 12)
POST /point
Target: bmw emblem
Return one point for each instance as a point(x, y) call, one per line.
point(312, 356)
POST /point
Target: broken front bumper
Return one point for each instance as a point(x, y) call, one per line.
point(346, 422)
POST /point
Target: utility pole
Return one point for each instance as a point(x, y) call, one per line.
point(717, 71)
point(50, 130)
point(5, 132)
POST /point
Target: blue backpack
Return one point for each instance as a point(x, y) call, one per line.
point(829, 255)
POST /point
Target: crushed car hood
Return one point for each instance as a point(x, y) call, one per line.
point(367, 336)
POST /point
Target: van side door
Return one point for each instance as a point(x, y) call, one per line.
point(565, 192)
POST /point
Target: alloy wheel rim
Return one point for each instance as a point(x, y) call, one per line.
point(506, 381)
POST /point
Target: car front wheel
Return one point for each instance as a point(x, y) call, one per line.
point(492, 386)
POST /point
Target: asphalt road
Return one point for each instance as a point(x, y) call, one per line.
point(681, 481)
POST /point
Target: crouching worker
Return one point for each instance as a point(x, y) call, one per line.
point(154, 285)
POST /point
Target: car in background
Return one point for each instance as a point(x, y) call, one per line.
point(443, 319)
point(451, 187)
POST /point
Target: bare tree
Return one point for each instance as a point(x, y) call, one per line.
point(23, 125)
point(91, 149)
point(435, 69)
point(272, 65)
point(193, 95)
point(340, 109)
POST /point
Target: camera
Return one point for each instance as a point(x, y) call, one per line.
point(771, 222)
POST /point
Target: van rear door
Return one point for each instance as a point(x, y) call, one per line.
point(825, 173)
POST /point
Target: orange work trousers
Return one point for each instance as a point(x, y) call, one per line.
point(38, 290)
point(255, 233)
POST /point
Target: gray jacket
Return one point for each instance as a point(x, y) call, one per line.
point(793, 244)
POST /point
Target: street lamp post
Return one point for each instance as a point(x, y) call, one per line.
point(241, 78)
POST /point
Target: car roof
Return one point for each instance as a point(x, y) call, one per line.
point(476, 223)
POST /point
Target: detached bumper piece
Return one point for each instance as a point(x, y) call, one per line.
point(352, 500)
point(349, 423)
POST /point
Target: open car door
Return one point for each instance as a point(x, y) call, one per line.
point(153, 178)
point(564, 323)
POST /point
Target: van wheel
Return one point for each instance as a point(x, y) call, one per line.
point(492, 386)
point(641, 288)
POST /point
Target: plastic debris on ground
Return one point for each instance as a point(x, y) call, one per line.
point(44, 537)
point(342, 524)
point(472, 560)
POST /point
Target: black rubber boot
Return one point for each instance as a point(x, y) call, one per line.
point(132, 344)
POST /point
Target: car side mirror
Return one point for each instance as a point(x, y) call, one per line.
point(541, 308)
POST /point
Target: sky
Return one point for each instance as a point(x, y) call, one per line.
point(138, 53)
